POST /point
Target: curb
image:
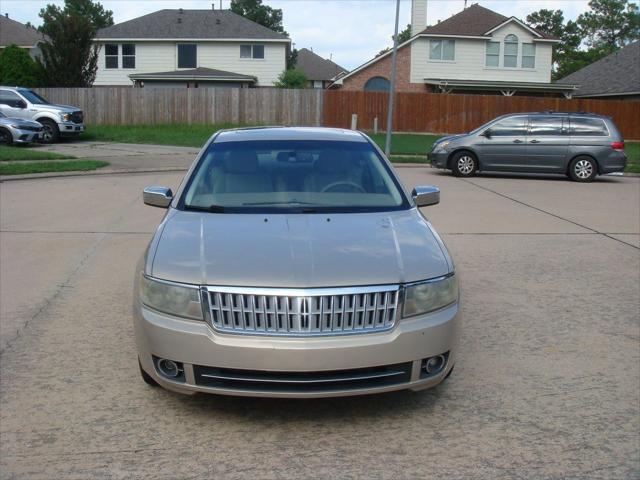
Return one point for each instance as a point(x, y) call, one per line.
point(37, 176)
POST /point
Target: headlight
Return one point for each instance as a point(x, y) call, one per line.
point(430, 295)
point(14, 125)
point(443, 145)
point(65, 117)
point(181, 301)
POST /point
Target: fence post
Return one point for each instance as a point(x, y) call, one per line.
point(354, 121)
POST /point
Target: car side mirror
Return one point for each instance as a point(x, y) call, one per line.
point(426, 196)
point(157, 196)
point(487, 133)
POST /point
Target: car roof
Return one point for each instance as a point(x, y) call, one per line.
point(552, 112)
point(289, 133)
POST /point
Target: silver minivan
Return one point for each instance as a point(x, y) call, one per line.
point(291, 263)
point(579, 145)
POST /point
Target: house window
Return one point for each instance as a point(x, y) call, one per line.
point(252, 51)
point(317, 84)
point(442, 50)
point(528, 55)
point(128, 55)
point(187, 55)
point(377, 84)
point(493, 54)
point(511, 51)
point(111, 55)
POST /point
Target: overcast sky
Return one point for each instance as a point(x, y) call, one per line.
point(352, 31)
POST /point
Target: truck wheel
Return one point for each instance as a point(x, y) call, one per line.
point(5, 137)
point(583, 169)
point(464, 164)
point(50, 132)
point(146, 377)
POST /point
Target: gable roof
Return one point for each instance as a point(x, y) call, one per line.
point(317, 68)
point(199, 73)
point(190, 24)
point(475, 21)
point(12, 32)
point(615, 74)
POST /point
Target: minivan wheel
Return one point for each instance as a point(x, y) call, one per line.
point(464, 164)
point(148, 379)
point(5, 137)
point(50, 132)
point(583, 169)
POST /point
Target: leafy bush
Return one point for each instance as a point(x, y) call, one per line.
point(18, 68)
point(292, 79)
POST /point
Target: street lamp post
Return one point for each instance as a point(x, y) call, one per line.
point(392, 87)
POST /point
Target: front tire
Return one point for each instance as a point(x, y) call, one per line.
point(5, 137)
point(464, 164)
point(583, 169)
point(50, 131)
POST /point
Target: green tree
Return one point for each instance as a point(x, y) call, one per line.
point(610, 24)
point(18, 68)
point(292, 79)
point(292, 58)
point(403, 36)
point(255, 11)
point(94, 11)
point(69, 57)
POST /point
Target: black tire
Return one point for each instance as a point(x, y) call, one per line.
point(464, 164)
point(583, 169)
point(5, 137)
point(148, 379)
point(50, 131)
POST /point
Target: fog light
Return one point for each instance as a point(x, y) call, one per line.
point(434, 364)
point(168, 368)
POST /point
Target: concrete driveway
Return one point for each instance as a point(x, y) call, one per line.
point(547, 384)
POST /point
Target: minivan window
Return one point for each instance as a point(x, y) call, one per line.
point(292, 176)
point(510, 126)
point(586, 126)
point(545, 125)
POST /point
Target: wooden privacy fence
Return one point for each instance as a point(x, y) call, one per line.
point(415, 112)
point(457, 113)
point(128, 105)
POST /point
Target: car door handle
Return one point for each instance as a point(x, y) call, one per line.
point(517, 141)
point(535, 141)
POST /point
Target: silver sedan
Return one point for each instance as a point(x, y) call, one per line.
point(17, 130)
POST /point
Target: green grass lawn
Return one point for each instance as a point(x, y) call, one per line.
point(21, 153)
point(43, 167)
point(406, 143)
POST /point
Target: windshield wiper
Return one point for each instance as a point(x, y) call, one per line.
point(210, 208)
point(279, 203)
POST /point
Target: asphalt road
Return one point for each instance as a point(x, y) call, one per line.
point(547, 384)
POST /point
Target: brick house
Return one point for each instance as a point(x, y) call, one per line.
point(475, 51)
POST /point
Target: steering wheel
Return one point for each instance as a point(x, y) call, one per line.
point(343, 182)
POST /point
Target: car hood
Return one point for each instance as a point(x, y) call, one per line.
point(50, 107)
point(296, 250)
point(451, 137)
point(18, 121)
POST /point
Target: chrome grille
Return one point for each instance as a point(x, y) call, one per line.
point(303, 312)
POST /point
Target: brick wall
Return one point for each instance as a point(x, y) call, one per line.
point(382, 68)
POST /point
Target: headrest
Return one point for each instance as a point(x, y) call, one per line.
point(333, 161)
point(241, 161)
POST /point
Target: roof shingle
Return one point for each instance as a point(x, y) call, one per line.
point(12, 32)
point(315, 67)
point(190, 24)
point(474, 21)
point(618, 73)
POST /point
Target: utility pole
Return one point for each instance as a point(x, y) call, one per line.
point(392, 87)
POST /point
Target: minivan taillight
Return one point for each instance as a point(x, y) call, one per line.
point(619, 146)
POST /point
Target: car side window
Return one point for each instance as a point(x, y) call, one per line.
point(546, 125)
point(10, 99)
point(590, 127)
point(511, 126)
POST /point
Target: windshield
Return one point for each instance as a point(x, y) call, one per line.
point(33, 97)
point(293, 176)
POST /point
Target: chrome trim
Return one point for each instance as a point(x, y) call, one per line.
point(302, 312)
point(304, 382)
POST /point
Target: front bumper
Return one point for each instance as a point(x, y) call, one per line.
point(24, 136)
point(196, 344)
point(438, 158)
point(70, 128)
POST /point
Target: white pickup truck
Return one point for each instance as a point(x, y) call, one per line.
point(57, 120)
